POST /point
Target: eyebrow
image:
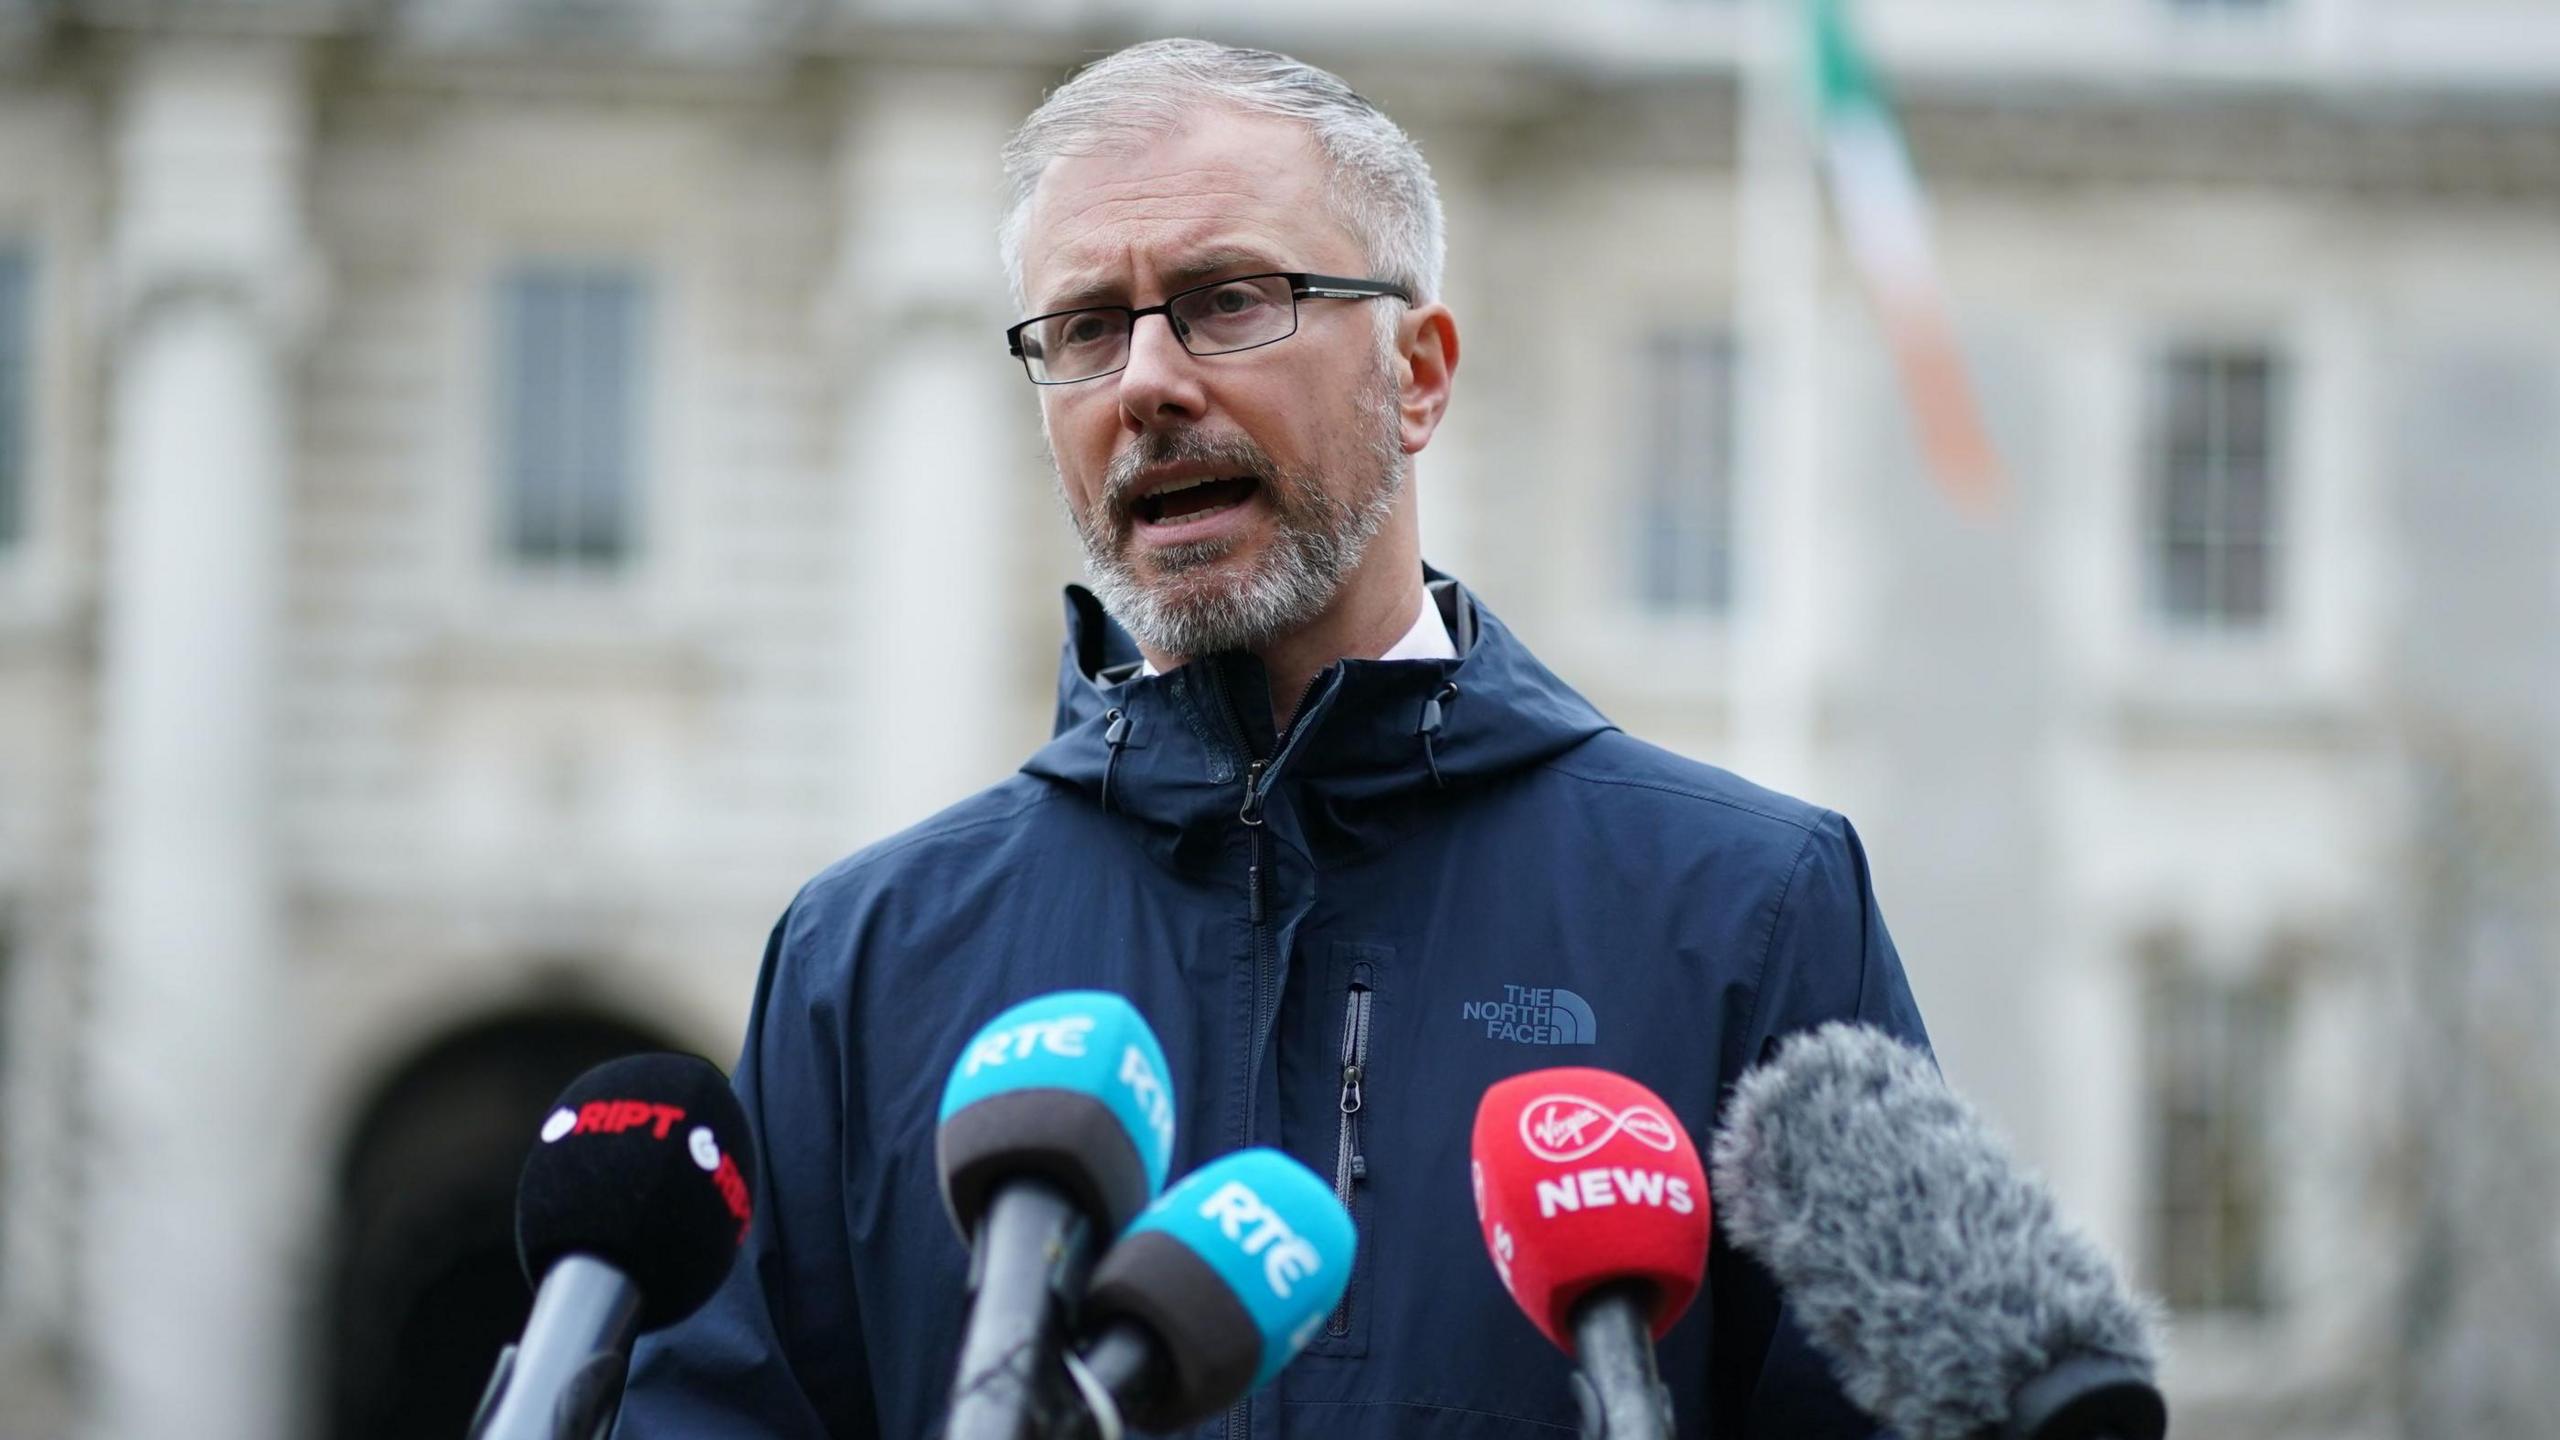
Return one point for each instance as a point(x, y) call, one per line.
point(1206, 266)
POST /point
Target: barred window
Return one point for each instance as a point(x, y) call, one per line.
point(2218, 421)
point(1683, 521)
point(17, 367)
point(572, 341)
point(2213, 1051)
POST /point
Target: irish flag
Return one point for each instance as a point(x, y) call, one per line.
point(1885, 221)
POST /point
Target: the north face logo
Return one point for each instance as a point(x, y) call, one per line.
point(1526, 1015)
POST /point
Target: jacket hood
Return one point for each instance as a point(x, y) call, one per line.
point(1372, 743)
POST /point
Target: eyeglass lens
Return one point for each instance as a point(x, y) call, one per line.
point(1212, 320)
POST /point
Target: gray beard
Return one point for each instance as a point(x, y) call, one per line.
point(1190, 609)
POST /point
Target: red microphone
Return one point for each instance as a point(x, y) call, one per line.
point(1594, 1208)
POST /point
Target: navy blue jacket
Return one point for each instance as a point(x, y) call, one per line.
point(1464, 850)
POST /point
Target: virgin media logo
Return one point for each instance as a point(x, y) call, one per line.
point(1565, 1128)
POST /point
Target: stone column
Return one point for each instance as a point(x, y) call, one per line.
point(186, 1270)
point(937, 446)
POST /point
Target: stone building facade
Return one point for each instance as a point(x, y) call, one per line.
point(488, 487)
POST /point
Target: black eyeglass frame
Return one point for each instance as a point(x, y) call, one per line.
point(1302, 286)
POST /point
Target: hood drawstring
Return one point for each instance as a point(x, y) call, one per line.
point(1430, 726)
point(1115, 735)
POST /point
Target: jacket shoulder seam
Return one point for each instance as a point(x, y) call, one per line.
point(897, 845)
point(1769, 939)
point(1809, 827)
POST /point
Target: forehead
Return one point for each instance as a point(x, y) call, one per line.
point(1222, 188)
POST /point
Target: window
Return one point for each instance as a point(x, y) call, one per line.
point(2218, 417)
point(17, 366)
point(572, 343)
point(1683, 537)
point(2214, 1047)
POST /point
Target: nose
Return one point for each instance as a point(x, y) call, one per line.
point(1161, 385)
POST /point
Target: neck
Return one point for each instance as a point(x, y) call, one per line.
point(1369, 614)
point(1358, 627)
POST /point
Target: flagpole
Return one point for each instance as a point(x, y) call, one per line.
point(1779, 249)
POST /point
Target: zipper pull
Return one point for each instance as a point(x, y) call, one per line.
point(1253, 880)
point(1251, 813)
point(1114, 736)
point(1351, 1089)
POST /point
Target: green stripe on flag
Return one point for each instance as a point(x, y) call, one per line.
point(1884, 221)
point(1843, 80)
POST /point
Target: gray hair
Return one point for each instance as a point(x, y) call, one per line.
point(1379, 187)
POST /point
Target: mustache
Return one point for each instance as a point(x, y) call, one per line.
point(1232, 454)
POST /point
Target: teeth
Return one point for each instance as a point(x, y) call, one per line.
point(1196, 514)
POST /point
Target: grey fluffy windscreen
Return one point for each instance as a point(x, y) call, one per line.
point(1933, 1272)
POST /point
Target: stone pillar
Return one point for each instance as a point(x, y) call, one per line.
point(938, 446)
point(187, 1269)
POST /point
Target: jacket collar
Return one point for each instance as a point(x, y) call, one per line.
point(1373, 745)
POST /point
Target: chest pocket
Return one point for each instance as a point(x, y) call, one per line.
point(1353, 990)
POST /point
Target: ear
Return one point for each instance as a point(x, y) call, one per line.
point(1427, 364)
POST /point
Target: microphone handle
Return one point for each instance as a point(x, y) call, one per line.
point(1031, 1242)
point(2088, 1397)
point(564, 1381)
point(1621, 1393)
point(1126, 1366)
point(1127, 1360)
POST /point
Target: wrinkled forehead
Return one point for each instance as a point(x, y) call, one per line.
point(1214, 191)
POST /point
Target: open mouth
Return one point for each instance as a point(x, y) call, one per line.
point(1192, 499)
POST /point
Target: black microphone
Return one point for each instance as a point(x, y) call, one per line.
point(1950, 1297)
point(1057, 1123)
point(629, 1214)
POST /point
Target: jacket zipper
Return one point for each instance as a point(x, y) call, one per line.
point(1239, 1420)
point(1266, 964)
point(1256, 911)
point(1350, 1167)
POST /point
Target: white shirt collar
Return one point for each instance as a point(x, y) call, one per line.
point(1429, 639)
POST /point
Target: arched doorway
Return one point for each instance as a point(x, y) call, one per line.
point(423, 1283)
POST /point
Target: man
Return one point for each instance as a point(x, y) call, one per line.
point(1353, 852)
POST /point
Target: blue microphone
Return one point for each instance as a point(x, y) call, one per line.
point(1057, 1122)
point(1214, 1289)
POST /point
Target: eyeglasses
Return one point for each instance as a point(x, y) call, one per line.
point(1219, 318)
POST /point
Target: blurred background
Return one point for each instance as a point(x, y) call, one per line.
point(495, 493)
